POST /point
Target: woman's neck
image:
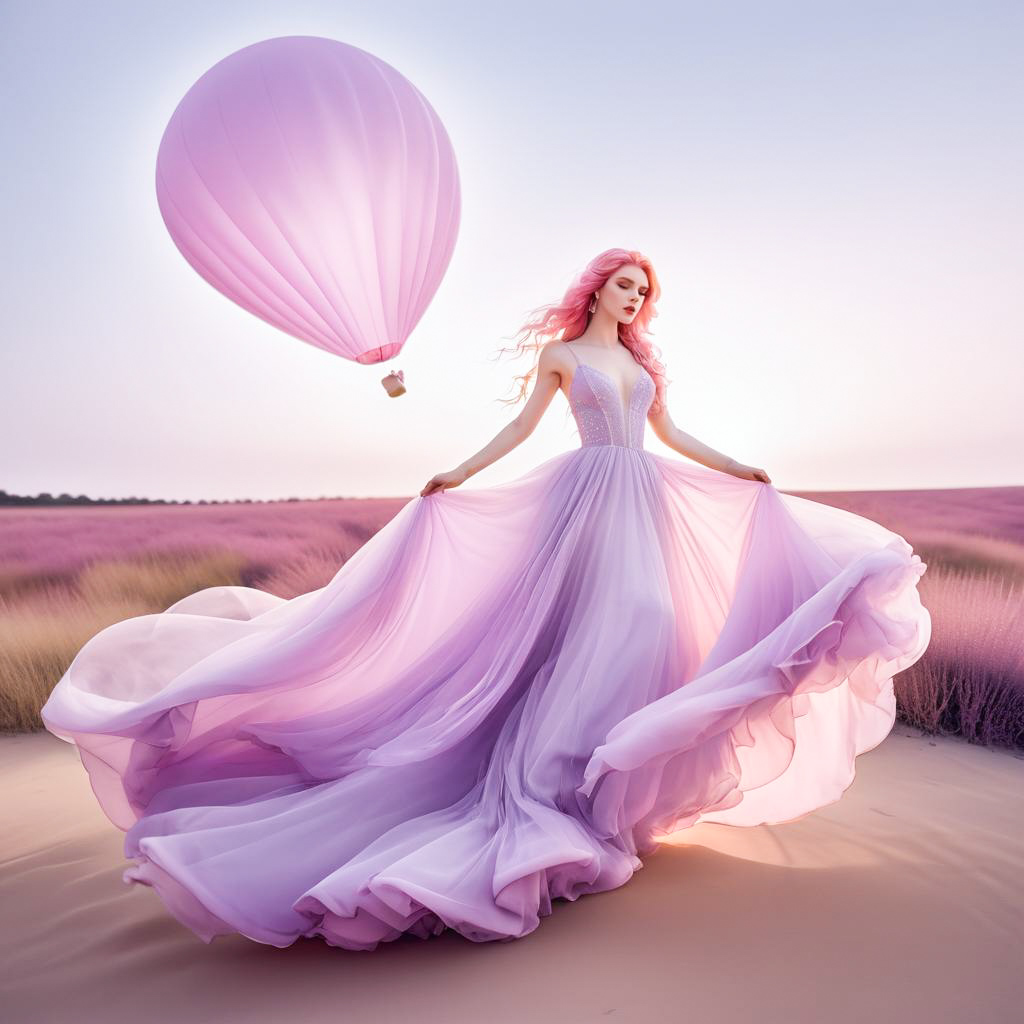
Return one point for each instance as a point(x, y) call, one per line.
point(599, 340)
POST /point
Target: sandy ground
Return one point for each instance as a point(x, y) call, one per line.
point(901, 902)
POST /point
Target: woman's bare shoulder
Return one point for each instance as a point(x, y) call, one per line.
point(553, 355)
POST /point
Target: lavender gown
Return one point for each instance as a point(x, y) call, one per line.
point(506, 696)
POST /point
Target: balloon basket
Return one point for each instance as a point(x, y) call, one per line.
point(394, 384)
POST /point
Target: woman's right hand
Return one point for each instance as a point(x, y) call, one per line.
point(442, 481)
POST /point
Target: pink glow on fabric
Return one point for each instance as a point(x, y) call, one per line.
point(627, 645)
point(313, 185)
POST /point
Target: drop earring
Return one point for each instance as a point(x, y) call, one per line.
point(593, 303)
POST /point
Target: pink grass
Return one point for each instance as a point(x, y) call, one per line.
point(66, 573)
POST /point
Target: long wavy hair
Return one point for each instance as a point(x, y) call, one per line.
point(567, 319)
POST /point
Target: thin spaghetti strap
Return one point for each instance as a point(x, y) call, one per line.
point(576, 357)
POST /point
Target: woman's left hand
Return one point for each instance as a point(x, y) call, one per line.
point(749, 472)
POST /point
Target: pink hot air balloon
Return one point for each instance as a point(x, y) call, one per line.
point(315, 186)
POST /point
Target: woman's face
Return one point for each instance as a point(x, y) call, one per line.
point(624, 293)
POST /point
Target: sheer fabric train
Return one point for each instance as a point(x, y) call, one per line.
point(508, 695)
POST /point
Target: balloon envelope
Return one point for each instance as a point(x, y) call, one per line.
point(316, 187)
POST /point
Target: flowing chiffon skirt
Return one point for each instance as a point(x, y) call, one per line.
point(506, 696)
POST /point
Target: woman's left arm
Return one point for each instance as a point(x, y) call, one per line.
point(666, 430)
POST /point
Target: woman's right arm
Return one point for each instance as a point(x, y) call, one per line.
point(547, 382)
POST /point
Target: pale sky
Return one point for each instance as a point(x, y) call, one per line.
point(830, 193)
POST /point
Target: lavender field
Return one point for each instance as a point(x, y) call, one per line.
point(67, 572)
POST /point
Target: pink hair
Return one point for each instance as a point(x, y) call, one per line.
point(572, 315)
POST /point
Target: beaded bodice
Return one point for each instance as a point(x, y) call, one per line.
point(599, 411)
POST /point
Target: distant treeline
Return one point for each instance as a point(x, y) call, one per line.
point(45, 498)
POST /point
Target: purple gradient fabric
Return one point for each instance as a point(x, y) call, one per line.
point(313, 185)
point(507, 696)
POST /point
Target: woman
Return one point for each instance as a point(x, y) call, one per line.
point(509, 694)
